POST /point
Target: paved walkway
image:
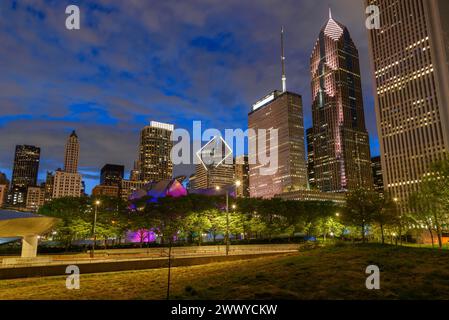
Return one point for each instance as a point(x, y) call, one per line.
point(122, 255)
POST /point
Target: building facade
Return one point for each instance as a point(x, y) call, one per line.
point(128, 187)
point(341, 145)
point(3, 194)
point(72, 153)
point(67, 184)
point(314, 195)
point(49, 183)
point(35, 198)
point(107, 191)
point(26, 166)
point(112, 175)
point(282, 111)
point(376, 166)
point(155, 149)
point(4, 187)
point(410, 60)
point(221, 176)
point(242, 175)
point(310, 156)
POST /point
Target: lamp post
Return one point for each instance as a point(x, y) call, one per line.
point(396, 200)
point(218, 188)
point(92, 253)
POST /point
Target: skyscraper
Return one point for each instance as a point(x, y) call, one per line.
point(134, 174)
point(410, 58)
point(242, 175)
point(341, 145)
point(282, 111)
point(376, 167)
point(112, 175)
point(26, 166)
point(72, 152)
point(68, 182)
point(215, 176)
point(310, 164)
point(155, 148)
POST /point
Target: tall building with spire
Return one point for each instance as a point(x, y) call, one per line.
point(410, 60)
point(72, 153)
point(68, 182)
point(281, 110)
point(340, 144)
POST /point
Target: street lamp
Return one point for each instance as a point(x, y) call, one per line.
point(237, 184)
point(92, 253)
point(396, 200)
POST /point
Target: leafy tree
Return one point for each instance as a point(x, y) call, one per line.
point(360, 209)
point(385, 213)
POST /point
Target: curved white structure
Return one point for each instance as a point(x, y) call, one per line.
point(27, 226)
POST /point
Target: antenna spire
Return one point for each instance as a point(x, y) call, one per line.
point(330, 12)
point(284, 78)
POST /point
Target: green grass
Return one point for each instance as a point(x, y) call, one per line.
point(336, 272)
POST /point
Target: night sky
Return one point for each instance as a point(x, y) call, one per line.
point(139, 60)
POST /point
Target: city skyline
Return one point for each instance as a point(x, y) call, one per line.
point(84, 103)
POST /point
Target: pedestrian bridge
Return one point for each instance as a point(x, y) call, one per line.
point(26, 226)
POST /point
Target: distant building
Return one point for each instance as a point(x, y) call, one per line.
point(221, 176)
point(191, 182)
point(134, 175)
point(35, 198)
point(17, 196)
point(26, 166)
point(376, 166)
point(155, 150)
point(3, 179)
point(67, 185)
point(72, 152)
point(310, 156)
point(112, 175)
point(242, 175)
point(314, 195)
point(3, 194)
point(128, 187)
point(49, 184)
point(4, 187)
point(341, 150)
point(282, 111)
point(106, 190)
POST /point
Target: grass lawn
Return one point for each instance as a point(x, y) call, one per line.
point(336, 272)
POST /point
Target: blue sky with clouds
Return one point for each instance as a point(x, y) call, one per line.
point(135, 61)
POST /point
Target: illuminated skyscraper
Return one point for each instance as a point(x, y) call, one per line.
point(410, 56)
point(72, 153)
point(242, 176)
point(112, 175)
point(68, 182)
point(26, 166)
point(155, 148)
point(310, 164)
point(282, 111)
point(341, 145)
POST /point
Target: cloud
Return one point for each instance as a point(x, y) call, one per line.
point(134, 61)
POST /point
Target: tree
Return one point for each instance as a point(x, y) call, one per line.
point(385, 213)
point(195, 224)
point(360, 209)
